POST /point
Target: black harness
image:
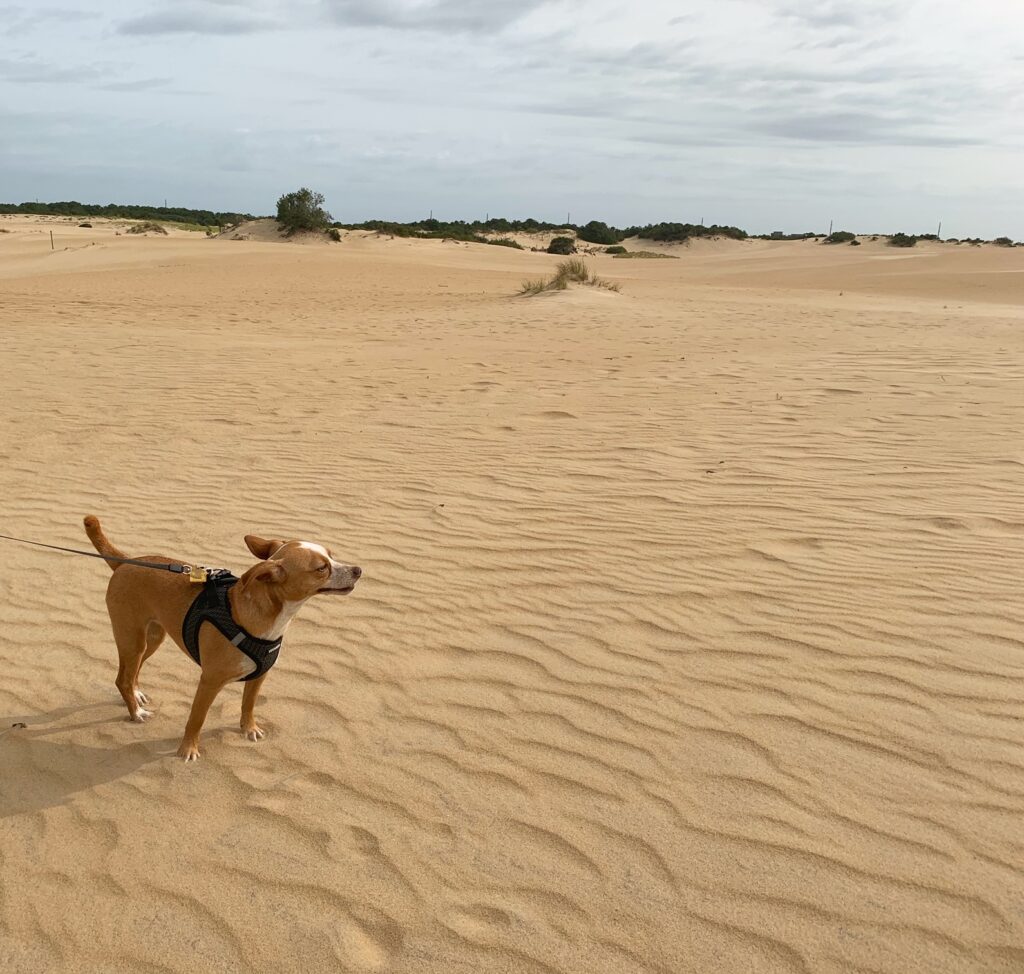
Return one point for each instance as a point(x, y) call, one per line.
point(212, 605)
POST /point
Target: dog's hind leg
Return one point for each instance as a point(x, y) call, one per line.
point(154, 637)
point(131, 649)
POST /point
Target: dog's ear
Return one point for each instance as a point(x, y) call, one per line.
point(268, 571)
point(260, 547)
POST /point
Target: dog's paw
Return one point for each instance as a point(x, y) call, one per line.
point(140, 697)
point(254, 733)
point(188, 751)
point(140, 716)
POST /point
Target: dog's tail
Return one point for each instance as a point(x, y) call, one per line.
point(100, 541)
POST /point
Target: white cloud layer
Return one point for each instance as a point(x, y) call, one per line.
point(768, 114)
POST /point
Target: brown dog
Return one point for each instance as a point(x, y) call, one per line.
point(146, 604)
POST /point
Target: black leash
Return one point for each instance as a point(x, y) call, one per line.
point(175, 567)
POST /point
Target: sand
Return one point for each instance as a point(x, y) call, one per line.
point(691, 636)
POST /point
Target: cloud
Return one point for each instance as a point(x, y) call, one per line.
point(143, 84)
point(857, 128)
point(841, 14)
point(209, 18)
point(31, 71)
point(458, 16)
point(16, 20)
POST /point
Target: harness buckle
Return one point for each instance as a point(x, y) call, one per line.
point(197, 574)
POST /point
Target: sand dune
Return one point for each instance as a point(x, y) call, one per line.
point(690, 637)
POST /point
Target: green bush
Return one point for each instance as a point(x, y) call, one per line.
point(302, 210)
point(854, 243)
point(562, 246)
point(1003, 242)
point(840, 236)
point(505, 242)
point(902, 240)
point(617, 249)
point(599, 233)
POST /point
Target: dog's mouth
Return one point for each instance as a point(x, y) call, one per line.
point(336, 591)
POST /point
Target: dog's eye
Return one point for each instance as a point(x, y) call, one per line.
point(323, 568)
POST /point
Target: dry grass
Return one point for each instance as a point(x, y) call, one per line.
point(571, 271)
point(643, 255)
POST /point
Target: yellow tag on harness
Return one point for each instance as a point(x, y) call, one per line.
point(197, 574)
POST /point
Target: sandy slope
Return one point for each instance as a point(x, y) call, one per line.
point(690, 638)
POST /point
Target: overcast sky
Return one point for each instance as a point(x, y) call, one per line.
point(883, 115)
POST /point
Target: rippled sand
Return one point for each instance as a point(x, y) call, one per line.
point(691, 637)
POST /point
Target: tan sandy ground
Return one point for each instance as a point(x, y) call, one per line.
point(691, 637)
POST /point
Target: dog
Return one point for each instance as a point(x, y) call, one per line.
point(146, 604)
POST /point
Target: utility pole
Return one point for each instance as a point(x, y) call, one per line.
point(939, 232)
point(830, 227)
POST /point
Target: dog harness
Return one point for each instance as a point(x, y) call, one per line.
point(212, 605)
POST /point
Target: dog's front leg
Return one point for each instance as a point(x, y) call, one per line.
point(249, 695)
point(206, 693)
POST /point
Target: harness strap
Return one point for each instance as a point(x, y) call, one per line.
point(212, 605)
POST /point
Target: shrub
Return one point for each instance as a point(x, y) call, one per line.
point(902, 240)
point(335, 234)
point(597, 232)
point(86, 226)
point(840, 236)
point(302, 210)
point(618, 249)
point(854, 243)
point(1003, 242)
point(562, 246)
point(147, 228)
point(505, 242)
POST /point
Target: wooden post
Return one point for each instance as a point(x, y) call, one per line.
point(51, 240)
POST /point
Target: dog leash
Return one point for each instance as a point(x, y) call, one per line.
point(195, 573)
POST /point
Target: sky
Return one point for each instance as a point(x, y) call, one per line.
point(879, 115)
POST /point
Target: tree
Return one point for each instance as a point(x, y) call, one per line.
point(302, 210)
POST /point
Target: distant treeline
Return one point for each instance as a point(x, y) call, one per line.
point(594, 232)
point(121, 211)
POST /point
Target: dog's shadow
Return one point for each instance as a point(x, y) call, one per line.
point(40, 767)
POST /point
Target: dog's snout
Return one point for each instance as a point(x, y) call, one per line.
point(356, 571)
